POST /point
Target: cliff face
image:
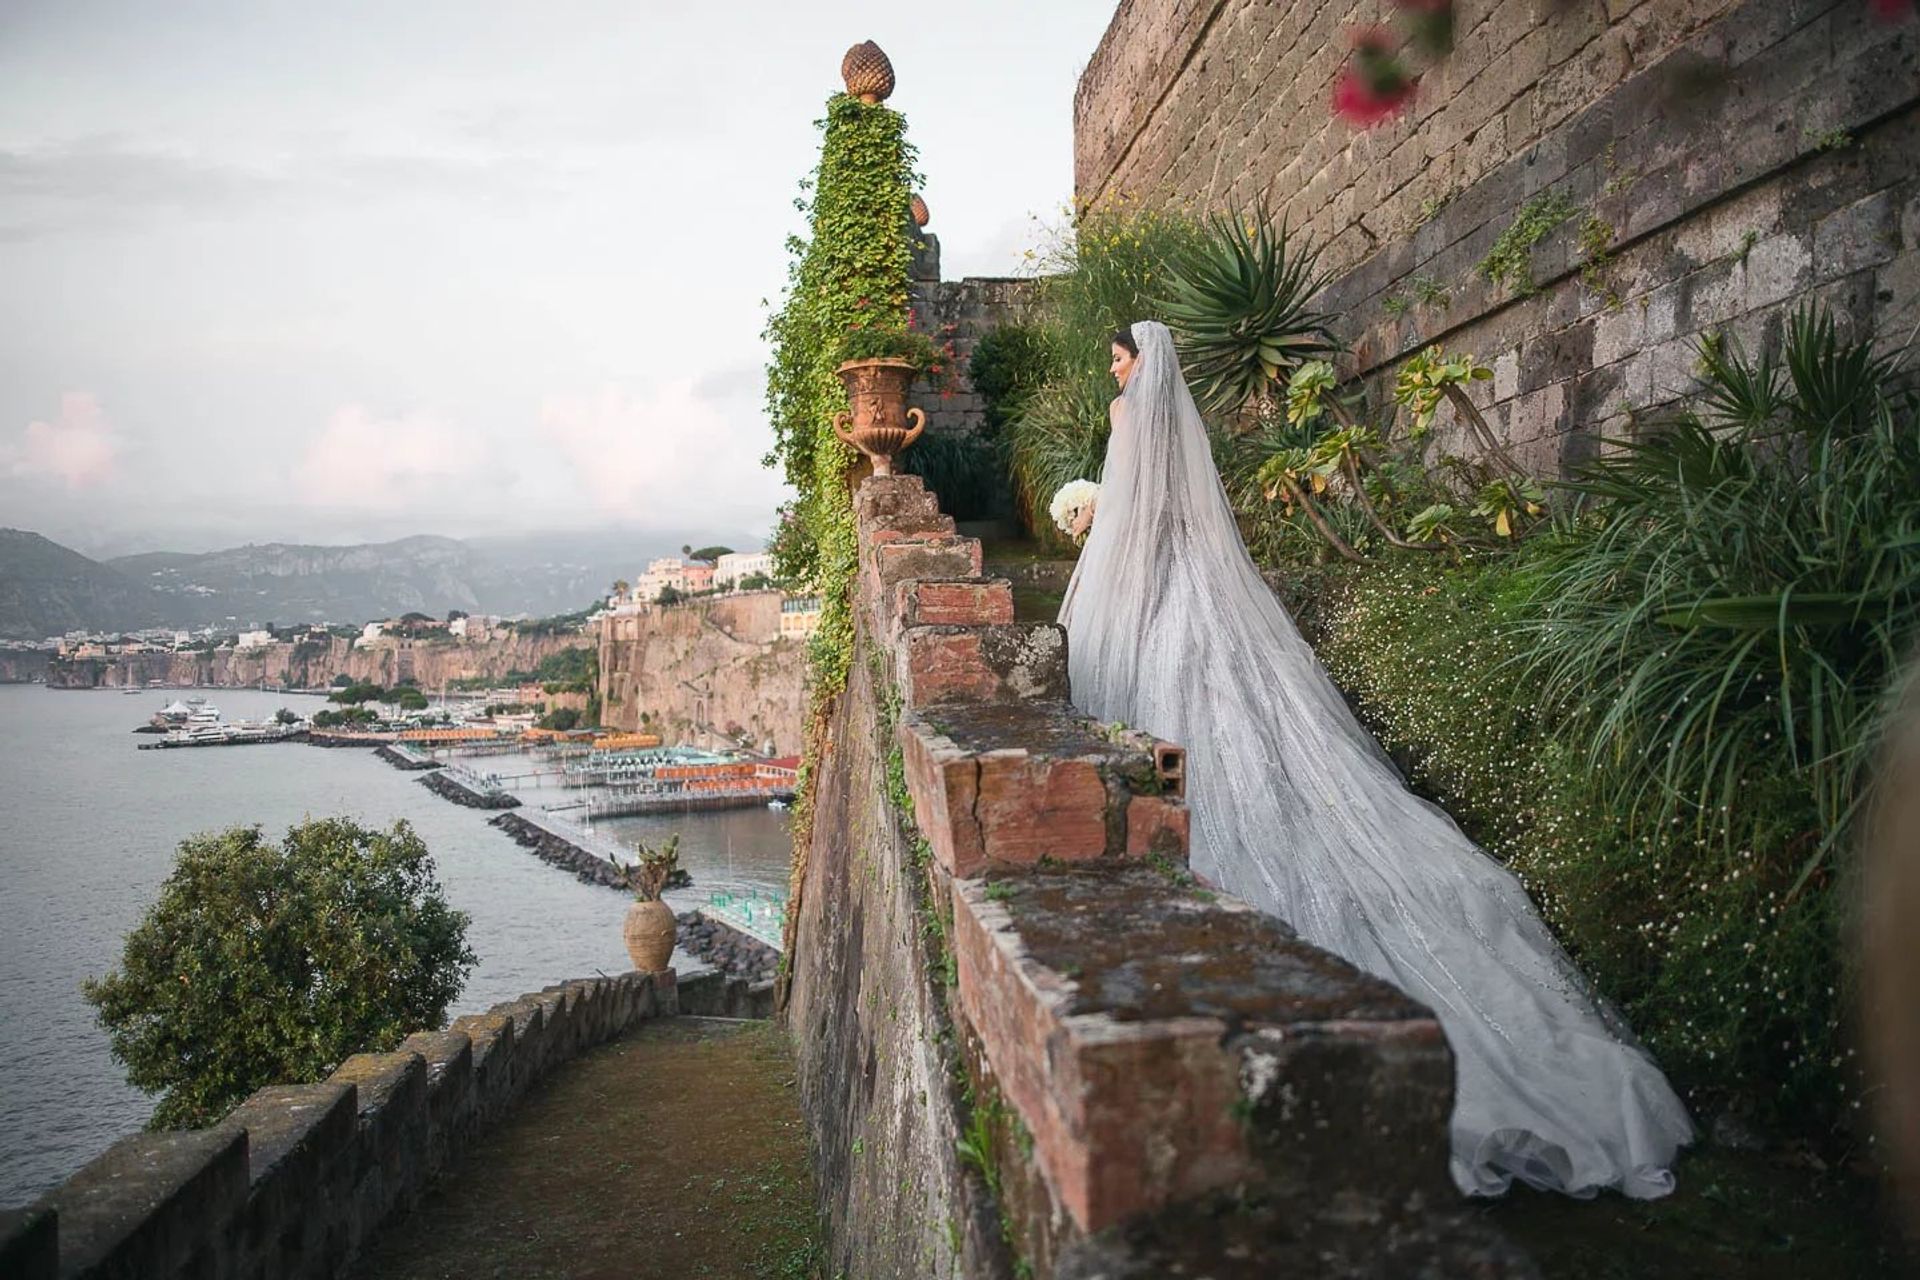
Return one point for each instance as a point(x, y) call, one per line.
point(310, 665)
point(22, 666)
point(705, 673)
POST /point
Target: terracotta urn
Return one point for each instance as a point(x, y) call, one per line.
point(917, 207)
point(650, 932)
point(877, 390)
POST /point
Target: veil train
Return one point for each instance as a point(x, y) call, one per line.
point(1297, 810)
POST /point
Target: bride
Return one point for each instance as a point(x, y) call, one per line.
point(1297, 810)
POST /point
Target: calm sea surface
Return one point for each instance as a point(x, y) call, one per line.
point(88, 828)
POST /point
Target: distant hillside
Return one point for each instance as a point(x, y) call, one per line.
point(47, 589)
point(285, 583)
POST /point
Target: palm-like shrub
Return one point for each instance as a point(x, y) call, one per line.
point(1238, 307)
point(1710, 646)
point(1734, 603)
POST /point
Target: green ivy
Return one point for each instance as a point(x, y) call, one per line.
point(1510, 261)
point(851, 271)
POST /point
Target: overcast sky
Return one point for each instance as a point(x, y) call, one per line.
point(348, 271)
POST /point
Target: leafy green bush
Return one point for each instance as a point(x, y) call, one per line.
point(355, 694)
point(1662, 711)
point(1107, 271)
point(265, 963)
point(969, 473)
point(410, 700)
point(561, 718)
point(889, 342)
point(1008, 363)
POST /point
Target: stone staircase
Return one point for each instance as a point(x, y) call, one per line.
point(1168, 1055)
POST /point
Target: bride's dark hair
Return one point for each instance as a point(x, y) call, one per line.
point(1124, 338)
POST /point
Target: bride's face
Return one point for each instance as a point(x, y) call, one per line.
point(1122, 367)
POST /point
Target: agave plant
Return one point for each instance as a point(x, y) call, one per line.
point(1742, 590)
point(1239, 309)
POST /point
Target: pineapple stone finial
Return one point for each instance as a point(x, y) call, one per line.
point(868, 73)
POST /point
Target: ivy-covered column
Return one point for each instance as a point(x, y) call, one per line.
point(849, 272)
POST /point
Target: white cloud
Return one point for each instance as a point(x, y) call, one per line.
point(364, 461)
point(78, 447)
point(670, 455)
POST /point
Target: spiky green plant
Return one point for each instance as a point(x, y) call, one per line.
point(1238, 305)
point(1745, 585)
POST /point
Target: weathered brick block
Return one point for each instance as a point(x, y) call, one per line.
point(1013, 661)
point(1160, 1043)
point(150, 1202)
point(953, 601)
point(880, 501)
point(923, 556)
point(1009, 784)
point(392, 1131)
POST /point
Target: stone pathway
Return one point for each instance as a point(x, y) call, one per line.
point(676, 1151)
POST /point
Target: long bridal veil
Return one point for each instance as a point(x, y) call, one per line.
point(1298, 811)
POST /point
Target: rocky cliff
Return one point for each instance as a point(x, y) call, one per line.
point(709, 672)
point(314, 664)
point(22, 666)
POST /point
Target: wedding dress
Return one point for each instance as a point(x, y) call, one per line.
point(1297, 810)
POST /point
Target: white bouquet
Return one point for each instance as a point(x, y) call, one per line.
point(1075, 498)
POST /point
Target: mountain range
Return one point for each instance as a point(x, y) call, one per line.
point(47, 589)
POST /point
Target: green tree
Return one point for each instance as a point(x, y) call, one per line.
point(284, 716)
point(710, 554)
point(264, 963)
point(563, 719)
point(340, 681)
point(411, 700)
point(670, 595)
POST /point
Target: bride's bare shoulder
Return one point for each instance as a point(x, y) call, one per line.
point(1114, 409)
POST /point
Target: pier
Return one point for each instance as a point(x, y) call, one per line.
point(236, 739)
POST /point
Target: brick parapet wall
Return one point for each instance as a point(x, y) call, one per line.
point(1726, 160)
point(297, 1178)
point(1139, 1044)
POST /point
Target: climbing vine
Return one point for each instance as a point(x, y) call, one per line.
point(850, 271)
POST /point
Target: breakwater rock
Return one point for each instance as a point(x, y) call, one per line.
point(561, 852)
point(727, 948)
point(401, 760)
point(447, 787)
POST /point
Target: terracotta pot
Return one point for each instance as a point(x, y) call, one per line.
point(917, 207)
point(650, 931)
point(877, 390)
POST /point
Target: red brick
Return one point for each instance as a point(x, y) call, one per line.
point(1157, 825)
point(933, 601)
point(937, 665)
point(1160, 1043)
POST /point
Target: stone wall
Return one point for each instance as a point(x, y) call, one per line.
point(1721, 161)
point(709, 671)
point(297, 1178)
point(1028, 1041)
point(308, 665)
point(962, 311)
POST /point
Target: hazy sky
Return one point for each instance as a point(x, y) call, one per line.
point(332, 272)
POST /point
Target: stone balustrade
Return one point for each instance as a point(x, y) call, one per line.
point(294, 1181)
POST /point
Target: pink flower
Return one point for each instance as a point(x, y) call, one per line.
point(1373, 86)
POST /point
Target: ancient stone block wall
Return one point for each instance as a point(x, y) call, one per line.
point(705, 672)
point(1029, 1042)
point(298, 1177)
point(1721, 161)
point(962, 310)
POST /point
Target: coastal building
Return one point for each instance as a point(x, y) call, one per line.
point(799, 617)
point(698, 575)
point(736, 566)
point(370, 633)
point(254, 640)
